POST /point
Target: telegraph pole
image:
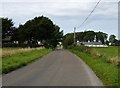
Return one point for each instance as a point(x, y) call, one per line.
point(74, 34)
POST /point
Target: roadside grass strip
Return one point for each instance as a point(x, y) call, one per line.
point(107, 72)
point(10, 63)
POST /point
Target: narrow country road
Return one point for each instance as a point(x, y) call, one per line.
point(58, 68)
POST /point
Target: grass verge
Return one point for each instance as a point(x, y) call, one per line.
point(107, 72)
point(10, 63)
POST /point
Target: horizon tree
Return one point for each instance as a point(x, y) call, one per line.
point(7, 27)
point(40, 29)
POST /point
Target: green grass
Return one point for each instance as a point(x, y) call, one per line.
point(10, 63)
point(108, 51)
point(107, 72)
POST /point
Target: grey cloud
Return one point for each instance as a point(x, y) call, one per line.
point(66, 14)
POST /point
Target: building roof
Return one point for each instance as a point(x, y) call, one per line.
point(91, 43)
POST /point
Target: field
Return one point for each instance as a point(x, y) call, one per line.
point(109, 53)
point(12, 51)
point(14, 58)
point(105, 70)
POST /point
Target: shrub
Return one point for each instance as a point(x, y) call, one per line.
point(81, 48)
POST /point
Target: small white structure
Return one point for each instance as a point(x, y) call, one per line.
point(39, 43)
point(15, 42)
point(92, 44)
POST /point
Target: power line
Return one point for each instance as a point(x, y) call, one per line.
point(90, 13)
point(86, 19)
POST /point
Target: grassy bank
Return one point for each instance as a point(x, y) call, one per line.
point(14, 61)
point(109, 53)
point(107, 72)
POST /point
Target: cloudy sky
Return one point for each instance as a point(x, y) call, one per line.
point(65, 13)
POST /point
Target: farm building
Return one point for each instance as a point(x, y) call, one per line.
point(91, 44)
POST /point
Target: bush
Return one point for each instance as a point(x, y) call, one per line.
point(80, 48)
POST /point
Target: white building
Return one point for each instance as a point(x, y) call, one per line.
point(91, 44)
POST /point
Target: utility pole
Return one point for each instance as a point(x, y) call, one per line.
point(74, 34)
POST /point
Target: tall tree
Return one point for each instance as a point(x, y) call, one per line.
point(100, 36)
point(57, 37)
point(68, 39)
point(40, 29)
point(80, 36)
point(112, 39)
point(7, 27)
point(89, 36)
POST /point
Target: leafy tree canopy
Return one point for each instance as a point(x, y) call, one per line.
point(7, 27)
point(85, 37)
point(40, 29)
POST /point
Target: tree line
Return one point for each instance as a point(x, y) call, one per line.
point(37, 31)
point(41, 31)
point(90, 36)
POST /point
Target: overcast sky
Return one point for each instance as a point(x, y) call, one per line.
point(65, 13)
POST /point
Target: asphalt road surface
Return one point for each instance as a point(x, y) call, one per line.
point(58, 68)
